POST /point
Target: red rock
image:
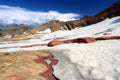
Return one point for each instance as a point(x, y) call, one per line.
point(79, 40)
point(108, 37)
point(89, 39)
point(84, 40)
point(53, 61)
point(49, 73)
point(43, 44)
point(68, 41)
point(54, 43)
point(33, 45)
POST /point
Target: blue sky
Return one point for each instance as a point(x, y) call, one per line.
point(83, 7)
point(37, 12)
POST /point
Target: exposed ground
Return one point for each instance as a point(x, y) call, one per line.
point(29, 65)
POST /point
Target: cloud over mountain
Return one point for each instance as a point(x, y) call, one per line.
point(17, 15)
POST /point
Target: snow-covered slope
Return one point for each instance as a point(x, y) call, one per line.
point(86, 31)
point(93, 61)
point(109, 26)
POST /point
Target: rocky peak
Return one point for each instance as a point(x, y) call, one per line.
point(112, 11)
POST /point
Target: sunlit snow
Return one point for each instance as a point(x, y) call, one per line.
point(92, 61)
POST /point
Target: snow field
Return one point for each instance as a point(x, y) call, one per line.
point(94, 30)
point(87, 31)
point(99, 60)
point(92, 61)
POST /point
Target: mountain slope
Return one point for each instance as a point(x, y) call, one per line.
point(107, 27)
point(99, 60)
point(112, 11)
point(55, 25)
point(14, 30)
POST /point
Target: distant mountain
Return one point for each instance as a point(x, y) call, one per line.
point(14, 30)
point(112, 11)
point(54, 25)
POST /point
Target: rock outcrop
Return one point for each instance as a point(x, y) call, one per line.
point(112, 11)
point(81, 40)
point(20, 31)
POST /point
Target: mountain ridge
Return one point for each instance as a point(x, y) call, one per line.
point(54, 25)
point(112, 11)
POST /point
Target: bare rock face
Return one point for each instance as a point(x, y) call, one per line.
point(112, 11)
point(18, 31)
point(86, 20)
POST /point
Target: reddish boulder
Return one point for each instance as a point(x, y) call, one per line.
point(53, 61)
point(54, 43)
point(108, 37)
point(89, 39)
point(84, 40)
point(68, 41)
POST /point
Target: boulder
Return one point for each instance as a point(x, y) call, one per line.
point(68, 41)
point(108, 37)
point(54, 43)
point(84, 40)
point(81, 40)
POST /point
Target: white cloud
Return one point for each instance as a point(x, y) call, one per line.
point(17, 15)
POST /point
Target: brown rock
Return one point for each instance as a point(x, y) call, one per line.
point(110, 12)
point(17, 31)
